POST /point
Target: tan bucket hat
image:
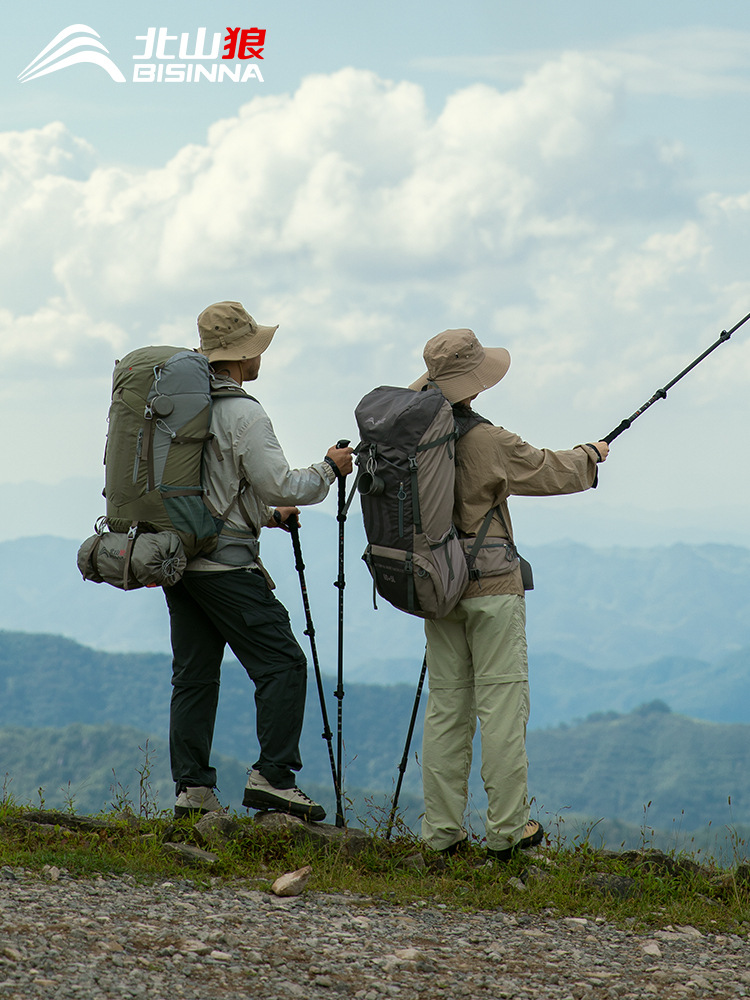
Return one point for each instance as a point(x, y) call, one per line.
point(459, 365)
point(229, 333)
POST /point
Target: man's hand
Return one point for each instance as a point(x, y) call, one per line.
point(284, 513)
point(603, 449)
point(342, 457)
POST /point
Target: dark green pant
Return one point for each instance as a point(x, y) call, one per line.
point(209, 611)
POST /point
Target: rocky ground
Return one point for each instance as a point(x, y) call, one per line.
point(114, 938)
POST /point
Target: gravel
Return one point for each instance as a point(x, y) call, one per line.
point(86, 939)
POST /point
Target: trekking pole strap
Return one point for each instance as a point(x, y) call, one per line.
point(353, 490)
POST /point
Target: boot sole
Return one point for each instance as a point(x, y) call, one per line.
point(265, 800)
point(523, 844)
point(181, 811)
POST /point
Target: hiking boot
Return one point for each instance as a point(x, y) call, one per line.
point(533, 834)
point(260, 794)
point(199, 799)
point(460, 848)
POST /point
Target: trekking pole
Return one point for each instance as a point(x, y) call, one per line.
point(662, 393)
point(310, 632)
point(340, 583)
point(405, 758)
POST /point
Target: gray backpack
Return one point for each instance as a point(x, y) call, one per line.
point(406, 479)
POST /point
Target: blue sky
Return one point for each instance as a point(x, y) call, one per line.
point(566, 179)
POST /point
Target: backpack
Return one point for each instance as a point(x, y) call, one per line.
point(406, 481)
point(406, 477)
point(159, 423)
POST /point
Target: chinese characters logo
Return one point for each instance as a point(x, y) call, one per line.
point(161, 57)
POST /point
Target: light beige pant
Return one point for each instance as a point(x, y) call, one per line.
point(477, 668)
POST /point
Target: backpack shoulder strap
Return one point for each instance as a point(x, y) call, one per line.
point(227, 392)
point(466, 419)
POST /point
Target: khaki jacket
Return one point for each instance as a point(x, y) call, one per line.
point(493, 464)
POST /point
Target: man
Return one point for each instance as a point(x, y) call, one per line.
point(225, 597)
point(476, 655)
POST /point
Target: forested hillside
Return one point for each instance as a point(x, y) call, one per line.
point(69, 714)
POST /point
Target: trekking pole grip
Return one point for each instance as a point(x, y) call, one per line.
point(342, 443)
point(622, 426)
point(293, 523)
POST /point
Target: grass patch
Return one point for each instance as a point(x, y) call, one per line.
point(637, 889)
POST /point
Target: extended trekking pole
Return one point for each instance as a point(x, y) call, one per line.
point(405, 758)
point(662, 393)
point(341, 584)
point(310, 632)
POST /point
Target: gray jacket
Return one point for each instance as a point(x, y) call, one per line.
point(246, 448)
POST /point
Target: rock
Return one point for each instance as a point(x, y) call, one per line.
point(652, 949)
point(652, 860)
point(190, 855)
point(516, 883)
point(534, 874)
point(193, 946)
point(411, 959)
point(688, 931)
point(280, 821)
point(217, 829)
point(47, 817)
point(293, 883)
point(409, 955)
point(413, 861)
point(617, 886)
point(350, 841)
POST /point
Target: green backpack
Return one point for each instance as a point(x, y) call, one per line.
point(159, 424)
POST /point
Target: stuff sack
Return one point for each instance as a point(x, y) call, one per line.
point(406, 481)
point(159, 421)
point(130, 561)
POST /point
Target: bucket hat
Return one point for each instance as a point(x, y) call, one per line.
point(459, 365)
point(229, 333)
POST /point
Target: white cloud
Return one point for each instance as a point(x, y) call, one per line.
point(39, 153)
point(364, 225)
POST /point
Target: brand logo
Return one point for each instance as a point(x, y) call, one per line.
point(160, 57)
point(60, 54)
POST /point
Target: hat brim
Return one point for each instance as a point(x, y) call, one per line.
point(456, 388)
point(250, 346)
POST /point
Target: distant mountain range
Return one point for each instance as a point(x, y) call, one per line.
point(608, 629)
point(72, 714)
point(592, 518)
point(607, 610)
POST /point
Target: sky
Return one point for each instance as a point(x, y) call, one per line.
point(567, 180)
